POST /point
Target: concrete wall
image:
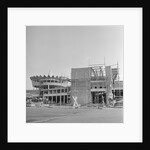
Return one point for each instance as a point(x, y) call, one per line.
point(118, 84)
point(80, 73)
point(108, 81)
point(98, 84)
point(80, 85)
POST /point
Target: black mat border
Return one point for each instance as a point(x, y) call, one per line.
point(4, 5)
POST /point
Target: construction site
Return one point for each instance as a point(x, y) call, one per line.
point(68, 76)
point(91, 85)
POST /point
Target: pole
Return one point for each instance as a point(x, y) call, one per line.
point(105, 80)
point(90, 98)
point(60, 92)
point(118, 79)
point(75, 84)
point(49, 72)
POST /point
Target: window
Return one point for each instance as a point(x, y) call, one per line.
point(45, 87)
point(54, 91)
point(50, 92)
point(45, 92)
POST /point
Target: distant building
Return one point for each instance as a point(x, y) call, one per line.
point(55, 89)
point(32, 93)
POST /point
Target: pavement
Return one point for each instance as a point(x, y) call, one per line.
point(62, 114)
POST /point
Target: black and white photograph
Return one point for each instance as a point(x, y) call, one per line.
point(74, 74)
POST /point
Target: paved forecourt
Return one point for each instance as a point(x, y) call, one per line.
point(69, 115)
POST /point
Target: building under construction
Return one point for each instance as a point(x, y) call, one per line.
point(88, 84)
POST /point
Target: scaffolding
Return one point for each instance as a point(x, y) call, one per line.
point(97, 73)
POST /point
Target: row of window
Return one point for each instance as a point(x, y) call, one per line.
point(97, 87)
point(56, 91)
point(52, 81)
point(118, 92)
point(50, 87)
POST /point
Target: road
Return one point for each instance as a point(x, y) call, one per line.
point(69, 115)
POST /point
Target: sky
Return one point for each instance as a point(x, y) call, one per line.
point(54, 50)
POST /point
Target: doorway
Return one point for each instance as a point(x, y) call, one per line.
point(97, 97)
